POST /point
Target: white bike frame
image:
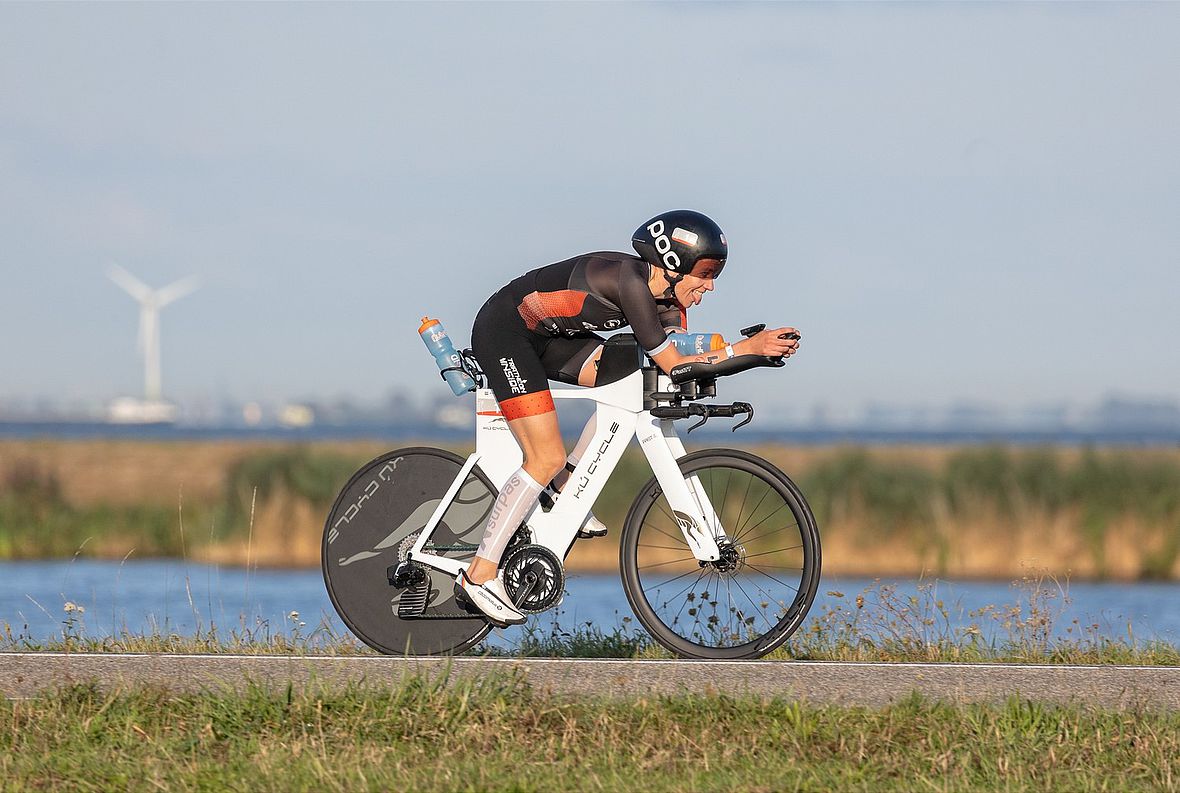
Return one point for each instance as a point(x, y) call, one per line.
point(620, 416)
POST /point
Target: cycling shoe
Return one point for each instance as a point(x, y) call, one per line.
point(593, 527)
point(490, 598)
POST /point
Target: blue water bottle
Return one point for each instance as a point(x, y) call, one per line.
point(439, 344)
point(696, 343)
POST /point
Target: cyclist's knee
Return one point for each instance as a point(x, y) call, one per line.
point(543, 465)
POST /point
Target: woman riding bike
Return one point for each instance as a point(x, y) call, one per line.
point(541, 326)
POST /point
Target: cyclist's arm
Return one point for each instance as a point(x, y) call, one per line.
point(765, 343)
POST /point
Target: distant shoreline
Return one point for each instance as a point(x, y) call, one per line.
point(1151, 437)
point(965, 512)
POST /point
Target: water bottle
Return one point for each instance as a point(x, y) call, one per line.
point(439, 344)
point(697, 343)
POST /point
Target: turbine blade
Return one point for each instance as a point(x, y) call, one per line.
point(130, 284)
point(175, 291)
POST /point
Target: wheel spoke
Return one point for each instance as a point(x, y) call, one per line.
point(692, 584)
point(746, 495)
point(672, 518)
point(757, 609)
point(671, 537)
point(753, 512)
point(747, 540)
point(768, 517)
point(677, 578)
point(661, 564)
point(760, 571)
point(764, 553)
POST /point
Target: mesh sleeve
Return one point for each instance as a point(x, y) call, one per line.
point(639, 307)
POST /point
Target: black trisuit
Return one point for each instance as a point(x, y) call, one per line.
point(541, 325)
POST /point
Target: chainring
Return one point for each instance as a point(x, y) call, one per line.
point(534, 577)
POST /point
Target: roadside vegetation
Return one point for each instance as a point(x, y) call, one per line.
point(876, 624)
point(497, 733)
point(975, 512)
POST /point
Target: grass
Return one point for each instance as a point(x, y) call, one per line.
point(499, 734)
point(877, 624)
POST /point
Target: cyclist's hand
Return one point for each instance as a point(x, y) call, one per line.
point(769, 343)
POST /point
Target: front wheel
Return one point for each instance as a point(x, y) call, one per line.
point(757, 594)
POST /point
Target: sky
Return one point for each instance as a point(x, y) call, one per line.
point(953, 202)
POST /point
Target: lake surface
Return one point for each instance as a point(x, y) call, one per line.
point(173, 596)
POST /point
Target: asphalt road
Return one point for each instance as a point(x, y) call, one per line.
point(868, 684)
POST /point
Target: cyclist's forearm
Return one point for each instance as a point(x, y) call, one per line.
point(670, 357)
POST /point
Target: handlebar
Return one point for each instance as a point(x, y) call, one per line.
point(706, 412)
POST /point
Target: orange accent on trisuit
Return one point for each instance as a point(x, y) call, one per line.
point(488, 413)
point(536, 306)
point(427, 322)
point(527, 405)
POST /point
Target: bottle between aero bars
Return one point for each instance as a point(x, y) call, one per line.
point(439, 343)
point(696, 343)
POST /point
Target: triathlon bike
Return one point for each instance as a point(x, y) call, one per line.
point(719, 553)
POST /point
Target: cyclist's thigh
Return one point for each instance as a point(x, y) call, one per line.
point(510, 359)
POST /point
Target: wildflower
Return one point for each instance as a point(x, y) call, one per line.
point(72, 607)
point(293, 616)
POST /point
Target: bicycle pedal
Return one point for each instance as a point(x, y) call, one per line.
point(413, 601)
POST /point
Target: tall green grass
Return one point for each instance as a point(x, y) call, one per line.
point(887, 496)
point(880, 494)
point(499, 734)
point(37, 520)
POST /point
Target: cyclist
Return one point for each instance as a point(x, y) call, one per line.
point(541, 326)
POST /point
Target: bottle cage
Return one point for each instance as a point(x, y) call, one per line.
point(468, 366)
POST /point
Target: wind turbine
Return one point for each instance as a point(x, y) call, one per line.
point(150, 302)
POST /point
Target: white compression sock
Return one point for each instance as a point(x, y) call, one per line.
point(513, 503)
point(583, 441)
point(575, 456)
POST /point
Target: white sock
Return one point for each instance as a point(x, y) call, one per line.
point(583, 441)
point(513, 503)
point(575, 456)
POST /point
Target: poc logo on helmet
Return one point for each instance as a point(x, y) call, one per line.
point(663, 245)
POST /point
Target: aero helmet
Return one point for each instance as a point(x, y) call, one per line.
point(676, 240)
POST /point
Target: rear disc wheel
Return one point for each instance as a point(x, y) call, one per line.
point(387, 502)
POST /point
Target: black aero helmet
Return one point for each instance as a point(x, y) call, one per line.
point(676, 240)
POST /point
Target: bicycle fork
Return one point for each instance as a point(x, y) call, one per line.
point(691, 507)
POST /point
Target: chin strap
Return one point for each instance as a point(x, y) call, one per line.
point(673, 279)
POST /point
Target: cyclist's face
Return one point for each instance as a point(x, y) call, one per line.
point(693, 286)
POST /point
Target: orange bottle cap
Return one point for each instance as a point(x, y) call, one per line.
point(427, 322)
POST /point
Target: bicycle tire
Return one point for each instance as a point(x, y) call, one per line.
point(690, 622)
point(364, 534)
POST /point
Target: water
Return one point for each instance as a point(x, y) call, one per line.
point(173, 596)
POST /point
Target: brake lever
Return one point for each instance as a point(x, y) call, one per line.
point(748, 409)
point(704, 418)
